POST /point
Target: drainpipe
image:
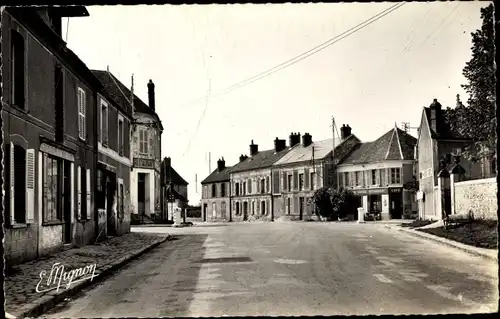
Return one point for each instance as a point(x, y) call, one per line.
point(272, 198)
point(230, 206)
point(96, 161)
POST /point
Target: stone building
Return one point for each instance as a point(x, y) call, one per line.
point(174, 189)
point(382, 173)
point(437, 140)
point(114, 118)
point(215, 199)
point(251, 180)
point(49, 134)
point(305, 168)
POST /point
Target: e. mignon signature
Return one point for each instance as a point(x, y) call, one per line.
point(58, 276)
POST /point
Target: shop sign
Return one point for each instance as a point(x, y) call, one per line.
point(144, 163)
point(395, 190)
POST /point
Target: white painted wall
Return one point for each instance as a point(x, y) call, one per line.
point(365, 203)
point(150, 190)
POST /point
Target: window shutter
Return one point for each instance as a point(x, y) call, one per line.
point(295, 180)
point(12, 210)
point(283, 175)
point(30, 186)
point(152, 142)
point(296, 205)
point(79, 197)
point(88, 194)
point(318, 180)
point(377, 174)
point(258, 187)
point(306, 178)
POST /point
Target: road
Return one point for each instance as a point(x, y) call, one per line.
point(291, 268)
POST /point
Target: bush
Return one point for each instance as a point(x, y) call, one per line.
point(334, 204)
point(322, 202)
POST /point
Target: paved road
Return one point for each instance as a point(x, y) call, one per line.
point(292, 269)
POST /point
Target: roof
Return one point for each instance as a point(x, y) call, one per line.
point(218, 176)
point(262, 159)
point(444, 126)
point(299, 153)
point(396, 144)
point(177, 195)
point(174, 177)
point(117, 92)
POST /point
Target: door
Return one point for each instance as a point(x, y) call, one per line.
point(66, 200)
point(245, 210)
point(301, 207)
point(396, 204)
point(110, 198)
point(289, 205)
point(205, 207)
point(141, 193)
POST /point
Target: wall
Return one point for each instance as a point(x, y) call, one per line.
point(426, 162)
point(479, 196)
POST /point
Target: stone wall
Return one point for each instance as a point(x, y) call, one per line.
point(479, 196)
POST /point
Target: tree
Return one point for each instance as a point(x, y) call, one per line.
point(477, 120)
point(322, 201)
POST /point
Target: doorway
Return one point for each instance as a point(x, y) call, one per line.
point(141, 194)
point(205, 207)
point(245, 210)
point(66, 200)
point(396, 203)
point(301, 207)
point(110, 198)
point(289, 205)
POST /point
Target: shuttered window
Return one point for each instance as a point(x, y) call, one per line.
point(83, 194)
point(82, 110)
point(295, 180)
point(276, 182)
point(306, 178)
point(21, 165)
point(284, 179)
point(143, 141)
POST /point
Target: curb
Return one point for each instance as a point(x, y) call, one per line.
point(463, 247)
point(45, 303)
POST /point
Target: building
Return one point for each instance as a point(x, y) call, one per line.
point(438, 139)
point(382, 173)
point(251, 180)
point(114, 117)
point(48, 111)
point(174, 190)
point(305, 168)
point(215, 199)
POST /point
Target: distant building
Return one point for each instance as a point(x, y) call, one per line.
point(215, 199)
point(305, 168)
point(438, 139)
point(251, 181)
point(114, 118)
point(382, 173)
point(175, 189)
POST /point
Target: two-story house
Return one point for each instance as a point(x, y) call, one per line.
point(251, 181)
point(215, 199)
point(305, 168)
point(438, 139)
point(382, 172)
point(114, 115)
point(174, 189)
point(48, 112)
point(146, 156)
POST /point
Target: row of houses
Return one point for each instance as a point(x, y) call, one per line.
point(390, 174)
point(82, 151)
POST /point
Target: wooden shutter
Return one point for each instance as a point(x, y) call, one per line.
point(79, 197)
point(318, 180)
point(30, 186)
point(306, 178)
point(12, 170)
point(296, 209)
point(377, 174)
point(88, 194)
point(284, 175)
point(81, 113)
point(152, 142)
point(295, 180)
point(258, 187)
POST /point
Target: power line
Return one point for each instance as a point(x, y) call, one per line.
point(306, 54)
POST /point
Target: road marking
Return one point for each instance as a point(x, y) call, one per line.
point(410, 278)
point(289, 261)
point(386, 262)
point(383, 278)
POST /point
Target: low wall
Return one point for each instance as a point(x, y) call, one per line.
point(479, 196)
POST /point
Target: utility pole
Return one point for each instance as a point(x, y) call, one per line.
point(333, 131)
point(407, 127)
point(196, 182)
point(209, 163)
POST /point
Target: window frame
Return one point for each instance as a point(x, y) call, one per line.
point(143, 141)
point(82, 113)
point(395, 175)
point(56, 217)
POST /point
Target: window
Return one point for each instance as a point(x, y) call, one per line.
point(262, 186)
point(17, 69)
point(214, 211)
point(83, 193)
point(346, 179)
point(237, 189)
point(100, 194)
point(395, 176)
point(289, 182)
point(263, 207)
point(120, 136)
point(374, 176)
point(82, 110)
point(267, 184)
point(222, 189)
point(301, 182)
point(143, 141)
point(243, 188)
point(249, 186)
point(237, 208)
point(358, 178)
point(312, 180)
point(214, 190)
point(52, 188)
point(18, 175)
point(104, 123)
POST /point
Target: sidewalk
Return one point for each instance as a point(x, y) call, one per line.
point(21, 298)
point(482, 252)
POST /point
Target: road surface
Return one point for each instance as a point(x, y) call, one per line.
point(291, 268)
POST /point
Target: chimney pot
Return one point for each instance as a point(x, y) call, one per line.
point(151, 94)
point(254, 149)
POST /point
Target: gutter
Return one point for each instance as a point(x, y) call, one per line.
point(96, 160)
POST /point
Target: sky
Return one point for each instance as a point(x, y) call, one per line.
point(373, 79)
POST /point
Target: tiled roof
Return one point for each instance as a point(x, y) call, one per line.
point(299, 153)
point(393, 145)
point(444, 127)
point(218, 176)
point(262, 159)
point(109, 82)
point(174, 177)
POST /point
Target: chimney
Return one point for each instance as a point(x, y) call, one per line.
point(151, 94)
point(243, 157)
point(435, 115)
point(168, 161)
point(348, 130)
point(279, 145)
point(254, 149)
point(343, 132)
point(306, 140)
point(294, 139)
point(221, 164)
